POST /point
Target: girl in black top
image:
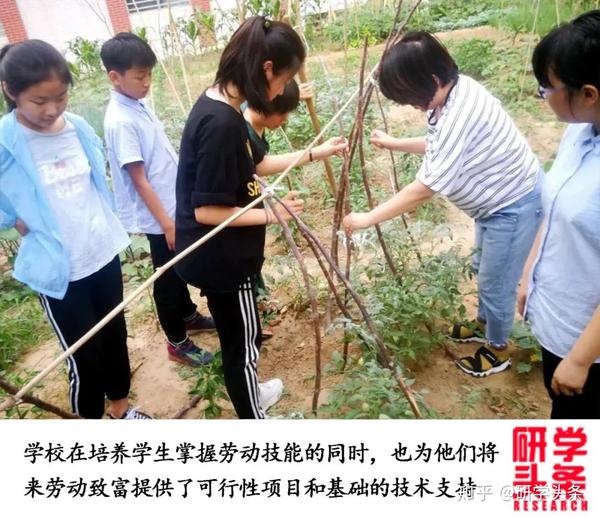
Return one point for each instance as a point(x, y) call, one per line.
point(215, 179)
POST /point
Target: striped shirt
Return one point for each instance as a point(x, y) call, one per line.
point(475, 155)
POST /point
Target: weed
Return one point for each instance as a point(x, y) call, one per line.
point(210, 385)
point(367, 391)
point(524, 340)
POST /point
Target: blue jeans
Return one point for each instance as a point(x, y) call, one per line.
point(503, 241)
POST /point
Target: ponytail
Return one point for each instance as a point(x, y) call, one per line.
point(256, 41)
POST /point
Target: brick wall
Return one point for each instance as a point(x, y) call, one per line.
point(12, 21)
point(119, 16)
point(203, 5)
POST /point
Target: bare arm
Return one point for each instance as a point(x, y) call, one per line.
point(272, 164)
point(216, 214)
point(382, 140)
point(409, 198)
point(572, 372)
point(137, 173)
point(523, 285)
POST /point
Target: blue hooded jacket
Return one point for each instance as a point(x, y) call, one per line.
point(42, 261)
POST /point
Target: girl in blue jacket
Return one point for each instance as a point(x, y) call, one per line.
point(53, 191)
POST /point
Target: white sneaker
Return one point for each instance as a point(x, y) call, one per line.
point(269, 393)
point(132, 413)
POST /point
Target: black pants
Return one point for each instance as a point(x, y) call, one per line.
point(579, 406)
point(171, 294)
point(238, 325)
point(101, 366)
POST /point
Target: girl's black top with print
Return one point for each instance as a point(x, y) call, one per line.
point(216, 167)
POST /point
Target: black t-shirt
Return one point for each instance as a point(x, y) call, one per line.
point(216, 167)
point(261, 144)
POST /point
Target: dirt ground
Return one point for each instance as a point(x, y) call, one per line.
point(161, 387)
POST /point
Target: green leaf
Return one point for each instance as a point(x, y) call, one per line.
point(523, 367)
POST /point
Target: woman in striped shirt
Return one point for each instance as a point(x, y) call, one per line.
point(476, 157)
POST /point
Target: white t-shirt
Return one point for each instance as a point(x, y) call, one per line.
point(475, 154)
point(89, 230)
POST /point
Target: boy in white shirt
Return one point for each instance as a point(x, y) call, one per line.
point(143, 166)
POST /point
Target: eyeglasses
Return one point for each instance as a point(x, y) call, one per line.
point(544, 92)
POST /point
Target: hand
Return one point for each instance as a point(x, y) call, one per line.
point(292, 202)
point(522, 297)
point(569, 377)
point(306, 91)
point(169, 231)
point(333, 146)
point(381, 140)
point(356, 221)
point(21, 227)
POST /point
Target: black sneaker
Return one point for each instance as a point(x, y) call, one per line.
point(199, 323)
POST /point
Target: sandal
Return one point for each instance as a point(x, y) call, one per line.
point(470, 332)
point(485, 362)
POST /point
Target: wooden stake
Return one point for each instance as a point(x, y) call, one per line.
point(48, 407)
point(313, 304)
point(311, 105)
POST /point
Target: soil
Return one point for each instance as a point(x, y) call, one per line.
point(161, 387)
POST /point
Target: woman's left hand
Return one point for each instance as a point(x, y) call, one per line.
point(569, 377)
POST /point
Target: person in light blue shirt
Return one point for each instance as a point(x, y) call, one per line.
point(53, 191)
point(560, 287)
point(143, 166)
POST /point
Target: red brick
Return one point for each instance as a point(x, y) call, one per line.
point(119, 16)
point(203, 5)
point(12, 21)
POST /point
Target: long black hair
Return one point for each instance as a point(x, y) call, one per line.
point(256, 41)
point(27, 63)
point(407, 69)
point(572, 52)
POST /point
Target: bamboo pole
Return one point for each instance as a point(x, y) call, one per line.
point(393, 171)
point(529, 44)
point(311, 105)
point(395, 185)
point(365, 178)
point(181, 54)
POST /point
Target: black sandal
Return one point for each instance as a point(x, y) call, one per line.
point(483, 363)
